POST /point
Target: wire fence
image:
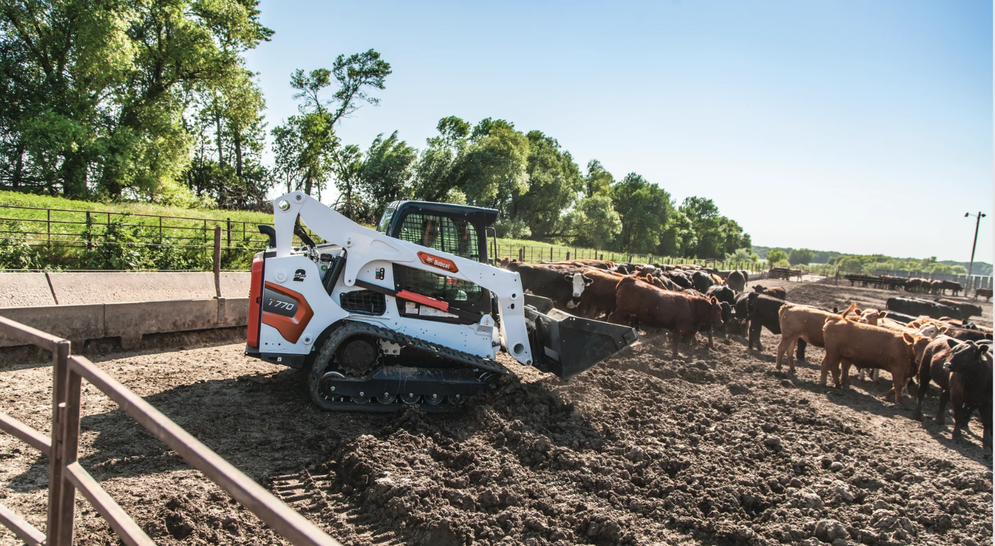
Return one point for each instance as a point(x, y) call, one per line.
point(39, 238)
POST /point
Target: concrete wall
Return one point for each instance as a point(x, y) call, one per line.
point(126, 305)
point(128, 321)
point(41, 289)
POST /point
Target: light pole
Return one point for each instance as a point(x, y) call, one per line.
point(970, 266)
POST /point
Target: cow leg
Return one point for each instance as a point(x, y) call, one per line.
point(784, 345)
point(710, 346)
point(844, 373)
point(755, 330)
point(677, 336)
point(961, 416)
point(800, 353)
point(830, 363)
point(921, 391)
point(941, 417)
point(898, 381)
point(986, 420)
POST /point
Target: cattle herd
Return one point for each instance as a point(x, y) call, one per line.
point(915, 340)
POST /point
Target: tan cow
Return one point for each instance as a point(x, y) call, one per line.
point(869, 346)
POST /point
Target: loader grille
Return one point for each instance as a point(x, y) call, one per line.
point(363, 302)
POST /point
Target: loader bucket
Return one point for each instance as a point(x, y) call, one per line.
point(565, 345)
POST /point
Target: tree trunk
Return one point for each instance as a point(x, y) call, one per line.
point(238, 154)
point(217, 133)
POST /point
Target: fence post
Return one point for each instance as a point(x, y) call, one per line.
point(228, 231)
point(160, 229)
point(65, 415)
point(217, 260)
point(89, 232)
point(49, 222)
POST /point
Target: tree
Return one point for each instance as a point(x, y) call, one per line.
point(775, 256)
point(706, 223)
point(644, 209)
point(94, 93)
point(387, 172)
point(800, 256)
point(554, 180)
point(305, 145)
point(347, 164)
point(227, 126)
point(594, 223)
point(486, 165)
point(598, 181)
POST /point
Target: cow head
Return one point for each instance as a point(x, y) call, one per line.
point(760, 289)
point(872, 316)
point(579, 282)
point(969, 356)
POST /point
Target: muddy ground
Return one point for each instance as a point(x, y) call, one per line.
point(711, 447)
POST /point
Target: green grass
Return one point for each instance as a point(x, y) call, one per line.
point(52, 232)
point(38, 231)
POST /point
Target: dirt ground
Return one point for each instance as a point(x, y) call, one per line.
point(712, 447)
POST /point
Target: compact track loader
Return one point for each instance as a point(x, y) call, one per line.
point(409, 313)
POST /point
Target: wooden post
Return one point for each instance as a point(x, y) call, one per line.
point(160, 229)
point(65, 415)
point(217, 260)
point(228, 231)
point(49, 222)
point(89, 232)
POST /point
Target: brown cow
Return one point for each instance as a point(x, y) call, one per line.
point(774, 292)
point(803, 322)
point(599, 296)
point(868, 346)
point(680, 313)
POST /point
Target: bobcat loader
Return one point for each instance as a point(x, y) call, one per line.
point(409, 313)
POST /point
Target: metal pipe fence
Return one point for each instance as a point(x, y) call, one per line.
point(66, 475)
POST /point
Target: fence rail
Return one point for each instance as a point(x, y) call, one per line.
point(66, 475)
point(68, 237)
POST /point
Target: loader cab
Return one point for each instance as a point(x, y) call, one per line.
point(455, 229)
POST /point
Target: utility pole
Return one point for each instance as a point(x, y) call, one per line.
point(970, 266)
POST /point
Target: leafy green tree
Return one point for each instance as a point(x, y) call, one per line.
point(387, 172)
point(437, 171)
point(554, 180)
point(594, 223)
point(777, 255)
point(305, 145)
point(598, 181)
point(678, 238)
point(644, 209)
point(706, 223)
point(493, 170)
point(801, 256)
point(347, 164)
point(93, 93)
point(488, 165)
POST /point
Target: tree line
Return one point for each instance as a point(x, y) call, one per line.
point(152, 101)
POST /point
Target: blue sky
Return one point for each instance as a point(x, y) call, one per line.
point(861, 127)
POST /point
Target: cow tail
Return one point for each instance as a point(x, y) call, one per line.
point(848, 311)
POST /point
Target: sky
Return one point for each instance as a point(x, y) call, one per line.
point(860, 127)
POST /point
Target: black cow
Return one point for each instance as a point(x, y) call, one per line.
point(762, 312)
point(701, 281)
point(964, 374)
point(722, 293)
point(680, 279)
point(916, 307)
point(967, 310)
point(736, 280)
point(967, 334)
